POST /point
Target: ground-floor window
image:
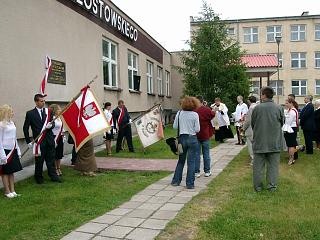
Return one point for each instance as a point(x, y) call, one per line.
point(110, 63)
point(277, 86)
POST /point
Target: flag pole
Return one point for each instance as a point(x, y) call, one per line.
point(56, 117)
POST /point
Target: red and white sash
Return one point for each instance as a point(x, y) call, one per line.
point(36, 146)
point(297, 116)
point(120, 118)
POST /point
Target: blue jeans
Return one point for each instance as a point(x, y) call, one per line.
point(190, 147)
point(205, 147)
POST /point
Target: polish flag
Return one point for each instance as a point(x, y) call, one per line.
point(46, 75)
point(84, 119)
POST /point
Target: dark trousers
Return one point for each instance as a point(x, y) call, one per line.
point(308, 141)
point(240, 140)
point(124, 132)
point(47, 155)
point(74, 155)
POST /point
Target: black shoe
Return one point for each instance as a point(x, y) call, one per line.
point(57, 180)
point(131, 151)
point(295, 156)
point(190, 187)
point(175, 184)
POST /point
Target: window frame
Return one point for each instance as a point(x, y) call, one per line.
point(132, 69)
point(275, 33)
point(299, 87)
point(316, 59)
point(168, 83)
point(298, 32)
point(277, 87)
point(317, 31)
point(110, 62)
point(160, 80)
point(150, 88)
point(317, 86)
point(251, 34)
point(299, 59)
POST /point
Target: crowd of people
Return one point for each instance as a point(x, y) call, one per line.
point(47, 142)
point(266, 127)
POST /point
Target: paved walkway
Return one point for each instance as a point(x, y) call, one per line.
point(148, 212)
point(132, 164)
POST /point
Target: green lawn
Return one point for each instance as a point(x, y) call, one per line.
point(51, 210)
point(159, 150)
point(230, 209)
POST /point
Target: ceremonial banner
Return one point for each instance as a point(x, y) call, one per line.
point(84, 119)
point(45, 78)
point(149, 126)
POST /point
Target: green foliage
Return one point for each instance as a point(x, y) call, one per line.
point(51, 210)
point(213, 67)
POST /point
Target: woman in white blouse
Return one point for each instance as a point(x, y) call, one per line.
point(109, 135)
point(10, 153)
point(290, 128)
point(58, 133)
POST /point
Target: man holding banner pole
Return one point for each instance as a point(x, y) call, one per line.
point(40, 121)
point(122, 122)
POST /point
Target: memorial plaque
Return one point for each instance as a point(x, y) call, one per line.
point(58, 73)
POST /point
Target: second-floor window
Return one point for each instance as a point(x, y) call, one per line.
point(132, 68)
point(317, 59)
point(317, 87)
point(298, 32)
point(110, 65)
point(168, 83)
point(230, 31)
point(250, 34)
point(298, 60)
point(149, 77)
point(272, 32)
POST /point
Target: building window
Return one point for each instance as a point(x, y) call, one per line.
point(280, 58)
point(299, 87)
point(318, 87)
point(277, 86)
point(168, 83)
point(110, 63)
point(132, 68)
point(230, 31)
point(250, 34)
point(159, 80)
point(298, 32)
point(298, 60)
point(272, 32)
point(255, 87)
point(317, 59)
point(317, 31)
point(149, 77)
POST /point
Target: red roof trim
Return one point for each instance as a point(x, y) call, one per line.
point(260, 60)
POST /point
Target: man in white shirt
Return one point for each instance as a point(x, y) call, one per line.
point(241, 111)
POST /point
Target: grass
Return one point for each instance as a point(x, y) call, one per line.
point(51, 210)
point(159, 150)
point(230, 209)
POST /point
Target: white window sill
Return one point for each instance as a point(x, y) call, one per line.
point(115, 89)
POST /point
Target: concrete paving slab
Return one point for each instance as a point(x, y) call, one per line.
point(164, 215)
point(78, 235)
point(172, 207)
point(106, 218)
point(155, 224)
point(129, 222)
point(116, 231)
point(143, 234)
point(92, 227)
point(140, 213)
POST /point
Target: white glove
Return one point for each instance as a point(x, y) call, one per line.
point(49, 125)
point(114, 131)
point(19, 156)
point(130, 121)
point(64, 139)
point(109, 132)
point(30, 145)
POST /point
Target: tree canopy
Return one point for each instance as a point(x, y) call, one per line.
point(212, 67)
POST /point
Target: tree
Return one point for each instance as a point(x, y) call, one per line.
point(212, 67)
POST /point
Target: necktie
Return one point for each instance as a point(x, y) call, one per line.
point(43, 115)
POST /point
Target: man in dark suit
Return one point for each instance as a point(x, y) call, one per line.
point(307, 123)
point(39, 119)
point(122, 123)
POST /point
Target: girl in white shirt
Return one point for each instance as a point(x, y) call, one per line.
point(59, 138)
point(290, 128)
point(10, 153)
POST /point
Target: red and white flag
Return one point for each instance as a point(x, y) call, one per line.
point(149, 126)
point(84, 119)
point(46, 75)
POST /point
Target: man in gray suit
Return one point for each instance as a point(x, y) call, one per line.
point(266, 122)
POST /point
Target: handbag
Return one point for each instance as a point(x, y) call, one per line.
point(173, 142)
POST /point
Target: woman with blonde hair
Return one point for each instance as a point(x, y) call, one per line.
point(10, 153)
point(58, 133)
point(187, 123)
